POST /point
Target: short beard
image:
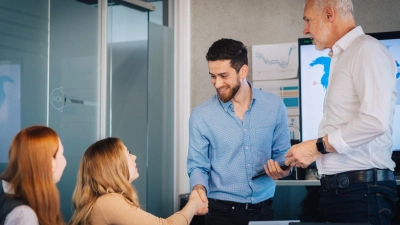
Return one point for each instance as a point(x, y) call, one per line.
point(234, 91)
point(323, 37)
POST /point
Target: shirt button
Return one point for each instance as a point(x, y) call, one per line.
point(248, 165)
point(252, 198)
point(251, 183)
point(247, 147)
point(245, 130)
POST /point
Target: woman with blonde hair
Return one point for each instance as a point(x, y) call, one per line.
point(28, 194)
point(104, 194)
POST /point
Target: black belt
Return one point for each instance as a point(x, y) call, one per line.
point(343, 180)
point(247, 206)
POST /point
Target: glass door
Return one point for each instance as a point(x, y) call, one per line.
point(23, 68)
point(73, 86)
point(127, 43)
point(51, 72)
point(141, 71)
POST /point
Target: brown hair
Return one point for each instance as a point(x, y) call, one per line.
point(30, 174)
point(103, 169)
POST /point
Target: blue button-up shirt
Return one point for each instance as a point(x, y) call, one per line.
point(226, 152)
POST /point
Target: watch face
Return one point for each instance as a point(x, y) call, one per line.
point(321, 146)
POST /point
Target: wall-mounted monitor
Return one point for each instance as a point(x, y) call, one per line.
point(314, 69)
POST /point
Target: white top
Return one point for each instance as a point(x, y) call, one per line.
point(359, 105)
point(20, 215)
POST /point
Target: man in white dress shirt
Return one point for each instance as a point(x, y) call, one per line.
point(353, 153)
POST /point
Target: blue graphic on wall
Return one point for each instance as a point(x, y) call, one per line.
point(4, 79)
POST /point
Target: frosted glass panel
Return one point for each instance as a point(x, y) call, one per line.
point(160, 198)
point(23, 68)
point(49, 74)
point(10, 104)
point(73, 86)
point(128, 59)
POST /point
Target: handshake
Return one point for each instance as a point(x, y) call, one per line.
point(198, 198)
point(196, 205)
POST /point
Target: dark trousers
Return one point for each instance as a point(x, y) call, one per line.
point(222, 213)
point(368, 202)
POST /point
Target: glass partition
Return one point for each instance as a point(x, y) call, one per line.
point(127, 31)
point(160, 198)
point(50, 75)
point(73, 85)
point(23, 68)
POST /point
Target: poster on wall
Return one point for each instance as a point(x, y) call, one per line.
point(10, 104)
point(275, 61)
point(288, 90)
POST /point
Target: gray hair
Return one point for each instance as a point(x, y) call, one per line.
point(344, 8)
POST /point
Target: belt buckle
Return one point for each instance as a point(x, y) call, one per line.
point(342, 181)
point(247, 206)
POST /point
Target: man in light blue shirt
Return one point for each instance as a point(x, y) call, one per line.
point(235, 135)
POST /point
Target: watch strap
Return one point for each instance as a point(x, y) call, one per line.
point(321, 146)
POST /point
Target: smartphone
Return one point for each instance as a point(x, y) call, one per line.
point(283, 167)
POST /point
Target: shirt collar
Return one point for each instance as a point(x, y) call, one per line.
point(225, 105)
point(348, 38)
point(228, 104)
point(7, 187)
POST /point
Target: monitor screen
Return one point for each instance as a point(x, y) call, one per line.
point(314, 69)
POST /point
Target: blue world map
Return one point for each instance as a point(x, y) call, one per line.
point(325, 62)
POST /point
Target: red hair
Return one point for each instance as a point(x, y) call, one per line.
point(30, 173)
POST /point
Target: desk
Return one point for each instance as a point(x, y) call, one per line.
point(309, 182)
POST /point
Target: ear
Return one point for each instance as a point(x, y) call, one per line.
point(243, 71)
point(330, 14)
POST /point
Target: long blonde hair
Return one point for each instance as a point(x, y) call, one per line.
point(29, 172)
point(103, 169)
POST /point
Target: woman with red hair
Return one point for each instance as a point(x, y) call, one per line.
point(28, 192)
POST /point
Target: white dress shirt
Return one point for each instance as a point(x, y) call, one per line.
point(20, 215)
point(359, 105)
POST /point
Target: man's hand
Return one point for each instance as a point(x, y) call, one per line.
point(274, 171)
point(303, 154)
point(203, 196)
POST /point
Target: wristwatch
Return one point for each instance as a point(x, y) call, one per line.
point(321, 146)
